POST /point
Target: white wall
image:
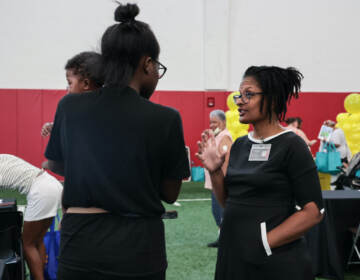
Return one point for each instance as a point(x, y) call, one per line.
point(319, 37)
point(197, 38)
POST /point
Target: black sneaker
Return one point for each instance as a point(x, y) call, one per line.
point(214, 244)
point(172, 214)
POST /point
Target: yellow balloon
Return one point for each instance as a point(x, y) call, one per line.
point(230, 126)
point(342, 117)
point(355, 127)
point(230, 101)
point(355, 137)
point(354, 118)
point(234, 135)
point(232, 116)
point(244, 126)
point(352, 103)
point(243, 132)
point(347, 127)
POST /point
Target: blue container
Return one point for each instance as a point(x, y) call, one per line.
point(197, 174)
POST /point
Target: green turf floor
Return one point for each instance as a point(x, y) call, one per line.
point(186, 237)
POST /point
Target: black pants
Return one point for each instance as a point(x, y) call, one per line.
point(70, 274)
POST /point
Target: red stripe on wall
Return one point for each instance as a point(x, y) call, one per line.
point(23, 112)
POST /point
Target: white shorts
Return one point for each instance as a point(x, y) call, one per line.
point(44, 198)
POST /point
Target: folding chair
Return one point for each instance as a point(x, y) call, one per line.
point(354, 248)
point(11, 248)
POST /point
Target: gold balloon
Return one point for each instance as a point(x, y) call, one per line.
point(352, 103)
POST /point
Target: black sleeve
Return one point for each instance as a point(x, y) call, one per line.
point(54, 149)
point(303, 174)
point(176, 165)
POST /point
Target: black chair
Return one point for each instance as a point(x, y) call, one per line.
point(12, 265)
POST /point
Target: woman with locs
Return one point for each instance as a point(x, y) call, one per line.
point(121, 155)
point(271, 191)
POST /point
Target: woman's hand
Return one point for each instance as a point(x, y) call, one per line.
point(208, 152)
point(46, 129)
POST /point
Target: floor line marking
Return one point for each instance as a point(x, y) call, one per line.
point(195, 199)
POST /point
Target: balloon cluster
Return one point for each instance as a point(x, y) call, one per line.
point(350, 122)
point(233, 124)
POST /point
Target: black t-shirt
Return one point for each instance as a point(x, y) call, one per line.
point(117, 149)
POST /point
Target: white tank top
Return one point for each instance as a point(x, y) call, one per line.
point(16, 173)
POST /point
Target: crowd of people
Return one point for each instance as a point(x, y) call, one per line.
point(122, 155)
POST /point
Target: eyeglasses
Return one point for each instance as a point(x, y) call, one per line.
point(161, 68)
point(246, 96)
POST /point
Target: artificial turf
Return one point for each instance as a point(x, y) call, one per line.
point(186, 237)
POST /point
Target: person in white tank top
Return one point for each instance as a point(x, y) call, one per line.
point(43, 194)
point(223, 141)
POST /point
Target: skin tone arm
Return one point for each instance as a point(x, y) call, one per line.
point(170, 190)
point(295, 226)
point(55, 166)
point(224, 146)
point(291, 229)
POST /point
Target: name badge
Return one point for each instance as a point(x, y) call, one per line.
point(260, 152)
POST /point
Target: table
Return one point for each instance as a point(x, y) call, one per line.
point(330, 241)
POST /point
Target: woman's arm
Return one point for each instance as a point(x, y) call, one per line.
point(305, 186)
point(295, 226)
point(224, 147)
point(170, 190)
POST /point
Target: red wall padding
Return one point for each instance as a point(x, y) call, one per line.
point(23, 112)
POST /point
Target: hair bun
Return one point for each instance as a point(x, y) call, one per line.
point(126, 13)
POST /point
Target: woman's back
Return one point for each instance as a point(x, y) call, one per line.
point(122, 147)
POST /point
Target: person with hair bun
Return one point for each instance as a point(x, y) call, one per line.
point(271, 191)
point(121, 156)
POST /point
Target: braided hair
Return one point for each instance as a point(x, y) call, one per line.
point(279, 86)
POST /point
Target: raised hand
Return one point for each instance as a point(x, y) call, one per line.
point(46, 129)
point(208, 152)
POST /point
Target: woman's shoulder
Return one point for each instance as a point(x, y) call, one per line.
point(242, 140)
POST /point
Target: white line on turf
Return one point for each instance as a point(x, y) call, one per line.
point(195, 199)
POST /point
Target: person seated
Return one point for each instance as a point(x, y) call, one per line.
point(43, 194)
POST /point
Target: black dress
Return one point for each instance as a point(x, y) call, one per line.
point(261, 195)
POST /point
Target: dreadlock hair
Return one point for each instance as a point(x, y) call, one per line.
point(278, 85)
point(88, 66)
point(124, 44)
